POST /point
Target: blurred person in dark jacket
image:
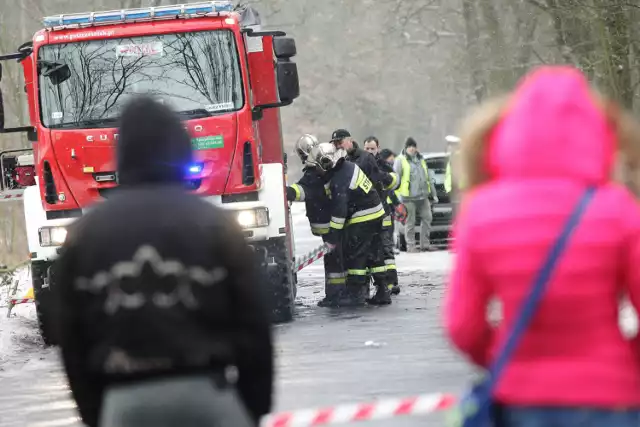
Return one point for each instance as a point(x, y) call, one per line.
point(161, 317)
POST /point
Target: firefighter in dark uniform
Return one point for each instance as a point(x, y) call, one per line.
point(389, 200)
point(383, 182)
point(356, 212)
point(312, 189)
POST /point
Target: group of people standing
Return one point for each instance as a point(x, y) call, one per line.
point(351, 195)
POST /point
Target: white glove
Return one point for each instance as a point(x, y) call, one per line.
point(436, 200)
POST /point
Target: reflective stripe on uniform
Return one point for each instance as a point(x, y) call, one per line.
point(354, 178)
point(387, 222)
point(379, 269)
point(367, 215)
point(390, 264)
point(394, 183)
point(351, 272)
point(299, 192)
point(337, 278)
point(337, 223)
point(322, 228)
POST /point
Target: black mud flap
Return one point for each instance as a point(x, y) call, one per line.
point(42, 280)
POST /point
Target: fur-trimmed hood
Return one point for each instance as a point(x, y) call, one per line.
point(552, 126)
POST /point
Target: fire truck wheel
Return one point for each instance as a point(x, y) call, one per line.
point(282, 282)
point(43, 301)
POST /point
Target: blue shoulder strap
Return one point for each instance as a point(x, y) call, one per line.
point(530, 304)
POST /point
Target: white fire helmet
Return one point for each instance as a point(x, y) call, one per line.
point(304, 146)
point(325, 156)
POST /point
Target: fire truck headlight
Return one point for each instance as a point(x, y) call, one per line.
point(252, 218)
point(52, 236)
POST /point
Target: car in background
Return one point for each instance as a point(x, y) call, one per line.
point(441, 224)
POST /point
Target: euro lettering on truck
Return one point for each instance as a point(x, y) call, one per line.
point(207, 142)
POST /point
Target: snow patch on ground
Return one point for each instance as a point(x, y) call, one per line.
point(20, 340)
point(23, 278)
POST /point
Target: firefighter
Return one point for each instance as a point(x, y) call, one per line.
point(356, 212)
point(372, 145)
point(312, 189)
point(383, 181)
point(161, 316)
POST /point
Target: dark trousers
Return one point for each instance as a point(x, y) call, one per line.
point(388, 254)
point(335, 274)
point(364, 255)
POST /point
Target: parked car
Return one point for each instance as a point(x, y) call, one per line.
point(442, 211)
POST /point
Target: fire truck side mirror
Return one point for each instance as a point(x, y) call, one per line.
point(288, 83)
point(284, 47)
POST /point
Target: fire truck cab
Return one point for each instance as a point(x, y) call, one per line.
point(213, 65)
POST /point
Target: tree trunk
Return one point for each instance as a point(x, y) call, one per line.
point(472, 35)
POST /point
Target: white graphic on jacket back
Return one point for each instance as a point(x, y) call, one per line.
point(180, 280)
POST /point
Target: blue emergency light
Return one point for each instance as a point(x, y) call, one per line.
point(191, 10)
point(196, 168)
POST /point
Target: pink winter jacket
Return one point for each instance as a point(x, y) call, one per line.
point(549, 146)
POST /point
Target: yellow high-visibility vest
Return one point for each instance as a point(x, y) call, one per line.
point(403, 190)
point(447, 177)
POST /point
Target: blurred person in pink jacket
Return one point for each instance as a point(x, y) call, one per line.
point(528, 159)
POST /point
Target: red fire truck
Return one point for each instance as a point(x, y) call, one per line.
point(212, 63)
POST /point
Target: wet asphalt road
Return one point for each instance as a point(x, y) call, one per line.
point(322, 358)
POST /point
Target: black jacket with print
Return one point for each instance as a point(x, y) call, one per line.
point(353, 199)
point(156, 282)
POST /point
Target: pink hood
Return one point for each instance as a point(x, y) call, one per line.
point(553, 129)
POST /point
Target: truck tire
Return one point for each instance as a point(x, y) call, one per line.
point(281, 282)
point(43, 302)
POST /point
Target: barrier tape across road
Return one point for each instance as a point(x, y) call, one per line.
point(22, 301)
point(345, 414)
point(311, 257)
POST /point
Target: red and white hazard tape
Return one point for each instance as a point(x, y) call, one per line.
point(311, 257)
point(10, 196)
point(344, 414)
point(22, 301)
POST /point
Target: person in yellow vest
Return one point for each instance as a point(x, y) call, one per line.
point(447, 177)
point(416, 193)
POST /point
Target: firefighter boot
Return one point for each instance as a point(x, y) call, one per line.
point(382, 296)
point(395, 289)
point(353, 296)
point(329, 301)
point(332, 296)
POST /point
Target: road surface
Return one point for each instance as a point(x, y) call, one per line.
point(322, 358)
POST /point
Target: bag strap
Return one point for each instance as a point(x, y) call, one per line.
point(530, 304)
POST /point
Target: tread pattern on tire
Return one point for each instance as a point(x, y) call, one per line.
point(282, 291)
point(42, 298)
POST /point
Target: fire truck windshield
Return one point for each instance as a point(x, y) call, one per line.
point(198, 73)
